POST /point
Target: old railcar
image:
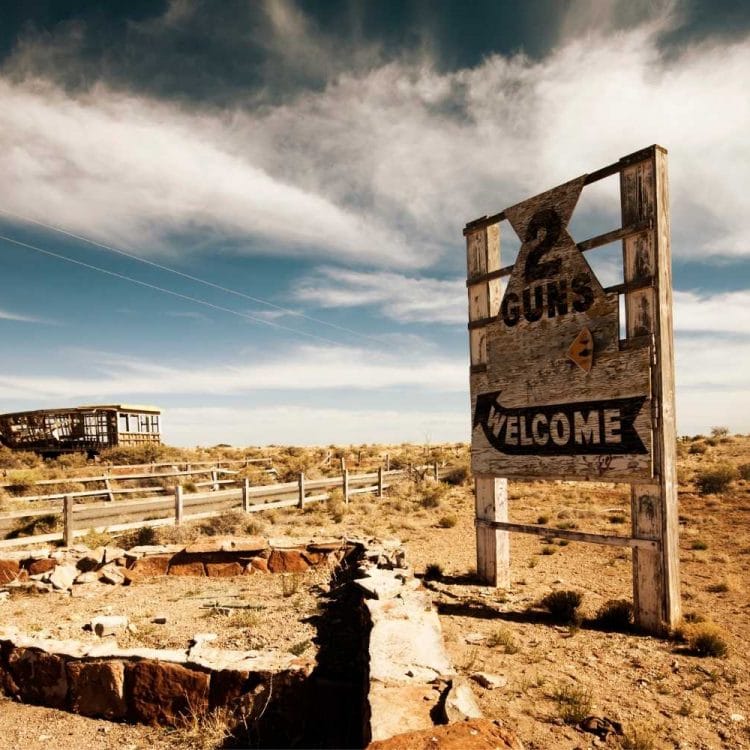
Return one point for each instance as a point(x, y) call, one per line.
point(88, 429)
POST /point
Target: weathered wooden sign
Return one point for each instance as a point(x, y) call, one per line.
point(556, 392)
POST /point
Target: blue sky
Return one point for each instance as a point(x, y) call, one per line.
point(323, 157)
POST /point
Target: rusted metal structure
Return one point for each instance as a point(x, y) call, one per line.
point(84, 429)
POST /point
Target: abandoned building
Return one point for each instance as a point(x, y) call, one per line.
point(88, 429)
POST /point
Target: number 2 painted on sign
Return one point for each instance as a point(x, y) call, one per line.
point(547, 222)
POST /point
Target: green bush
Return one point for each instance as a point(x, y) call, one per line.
point(715, 479)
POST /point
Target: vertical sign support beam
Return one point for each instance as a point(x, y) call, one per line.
point(648, 313)
point(493, 546)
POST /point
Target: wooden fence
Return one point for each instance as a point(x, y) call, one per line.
point(80, 518)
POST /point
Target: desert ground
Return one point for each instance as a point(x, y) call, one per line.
point(689, 689)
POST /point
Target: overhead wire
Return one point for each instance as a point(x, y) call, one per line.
point(171, 292)
point(197, 279)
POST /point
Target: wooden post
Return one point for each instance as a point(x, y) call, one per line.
point(648, 313)
point(108, 487)
point(387, 461)
point(246, 495)
point(436, 471)
point(178, 504)
point(345, 485)
point(214, 479)
point(67, 521)
point(343, 464)
point(493, 545)
point(380, 481)
point(301, 501)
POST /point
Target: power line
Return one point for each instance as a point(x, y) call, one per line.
point(171, 292)
point(197, 279)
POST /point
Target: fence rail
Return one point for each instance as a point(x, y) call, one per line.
point(79, 518)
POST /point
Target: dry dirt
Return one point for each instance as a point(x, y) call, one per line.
point(663, 696)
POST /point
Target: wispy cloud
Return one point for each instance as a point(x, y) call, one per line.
point(312, 426)
point(19, 318)
point(384, 166)
point(402, 298)
point(717, 313)
point(306, 368)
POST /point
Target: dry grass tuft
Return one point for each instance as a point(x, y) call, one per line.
point(573, 703)
point(563, 605)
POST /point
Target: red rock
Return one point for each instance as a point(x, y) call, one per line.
point(158, 693)
point(257, 565)
point(96, 688)
point(315, 558)
point(9, 570)
point(151, 565)
point(187, 569)
point(7, 684)
point(224, 570)
point(227, 688)
point(42, 566)
point(475, 734)
point(40, 678)
point(287, 561)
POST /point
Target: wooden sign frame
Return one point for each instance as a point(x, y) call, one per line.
point(644, 420)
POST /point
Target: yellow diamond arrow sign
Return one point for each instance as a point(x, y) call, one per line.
point(581, 351)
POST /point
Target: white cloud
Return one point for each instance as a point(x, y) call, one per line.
point(384, 167)
point(305, 368)
point(726, 312)
point(408, 300)
point(311, 426)
point(18, 318)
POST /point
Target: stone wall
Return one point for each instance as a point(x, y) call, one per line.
point(156, 686)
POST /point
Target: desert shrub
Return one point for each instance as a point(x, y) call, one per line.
point(617, 518)
point(336, 505)
point(548, 550)
point(715, 479)
point(431, 494)
point(227, 523)
point(719, 432)
point(458, 475)
point(713, 442)
point(707, 639)
point(720, 587)
point(503, 637)
point(94, 539)
point(23, 482)
point(45, 524)
point(698, 448)
point(146, 453)
point(254, 527)
point(542, 520)
point(638, 737)
point(146, 535)
point(190, 487)
point(563, 605)
point(573, 703)
point(698, 544)
point(615, 614)
point(744, 471)
point(290, 583)
point(433, 572)
point(69, 461)
point(447, 522)
point(10, 459)
point(299, 648)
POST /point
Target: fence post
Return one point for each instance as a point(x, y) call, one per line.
point(214, 478)
point(177, 504)
point(108, 487)
point(67, 520)
point(387, 461)
point(437, 471)
point(301, 502)
point(380, 481)
point(246, 495)
point(345, 482)
point(343, 464)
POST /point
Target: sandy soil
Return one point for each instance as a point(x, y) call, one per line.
point(663, 696)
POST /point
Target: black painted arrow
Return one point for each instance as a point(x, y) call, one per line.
point(534, 433)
